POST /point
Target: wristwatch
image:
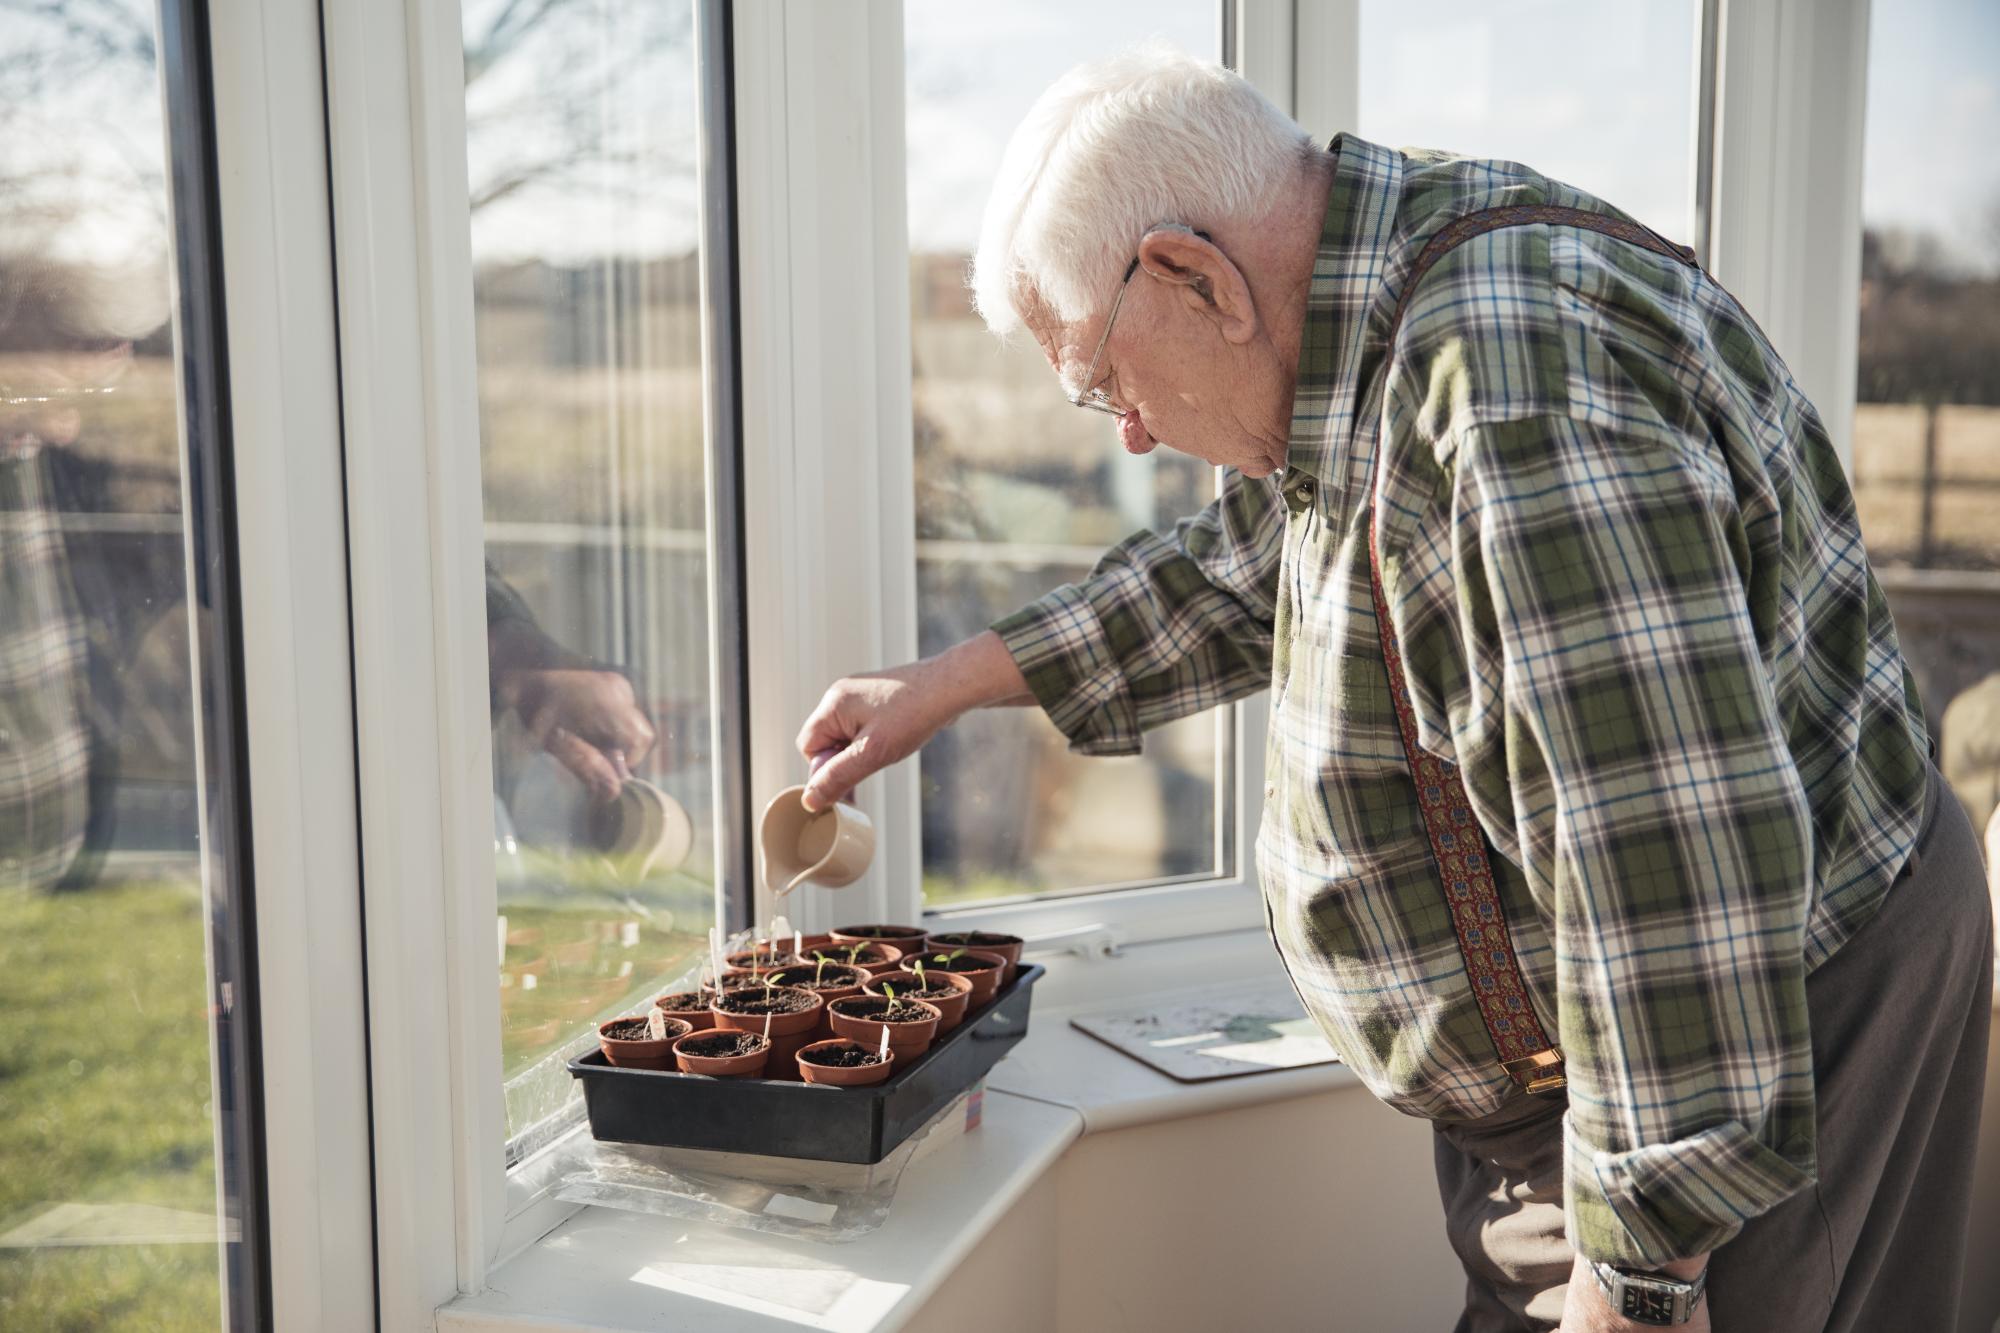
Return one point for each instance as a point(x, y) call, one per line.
point(1649, 1298)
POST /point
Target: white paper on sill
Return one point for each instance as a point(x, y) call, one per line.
point(1215, 1032)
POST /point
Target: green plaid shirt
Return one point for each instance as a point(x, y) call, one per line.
point(44, 746)
point(1633, 606)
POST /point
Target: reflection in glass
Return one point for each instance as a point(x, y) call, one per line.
point(1017, 491)
point(1599, 96)
point(1927, 420)
point(108, 1181)
point(582, 143)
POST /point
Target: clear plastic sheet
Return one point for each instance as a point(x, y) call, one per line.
point(780, 1196)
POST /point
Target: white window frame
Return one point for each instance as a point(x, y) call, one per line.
point(1791, 109)
point(829, 532)
point(278, 293)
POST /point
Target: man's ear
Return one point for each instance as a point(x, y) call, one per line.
point(1208, 280)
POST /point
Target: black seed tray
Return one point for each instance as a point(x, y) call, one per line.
point(787, 1119)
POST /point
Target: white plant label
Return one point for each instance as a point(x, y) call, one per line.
point(656, 1024)
point(769, 1014)
point(884, 1052)
point(798, 944)
point(715, 954)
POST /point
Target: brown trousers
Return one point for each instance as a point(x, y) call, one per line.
point(1899, 1023)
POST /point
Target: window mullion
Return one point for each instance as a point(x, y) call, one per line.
point(825, 363)
point(1786, 221)
point(395, 104)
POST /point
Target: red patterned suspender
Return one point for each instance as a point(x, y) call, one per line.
point(1458, 845)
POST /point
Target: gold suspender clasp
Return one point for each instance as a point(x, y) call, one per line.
point(1540, 1073)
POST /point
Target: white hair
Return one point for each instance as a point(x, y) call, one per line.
point(1113, 148)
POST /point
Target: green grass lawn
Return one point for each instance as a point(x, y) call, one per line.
point(104, 1099)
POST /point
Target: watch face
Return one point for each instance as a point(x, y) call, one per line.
point(1655, 1307)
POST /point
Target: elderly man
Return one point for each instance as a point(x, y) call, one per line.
point(1599, 827)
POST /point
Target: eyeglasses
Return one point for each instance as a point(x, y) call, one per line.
point(1095, 398)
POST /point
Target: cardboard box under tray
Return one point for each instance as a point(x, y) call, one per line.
point(785, 1119)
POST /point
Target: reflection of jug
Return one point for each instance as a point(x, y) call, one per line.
point(831, 848)
point(644, 832)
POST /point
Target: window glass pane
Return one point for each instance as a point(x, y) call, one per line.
point(1927, 424)
point(1017, 491)
point(1599, 96)
point(582, 139)
point(109, 1099)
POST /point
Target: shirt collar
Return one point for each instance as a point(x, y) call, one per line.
point(1340, 307)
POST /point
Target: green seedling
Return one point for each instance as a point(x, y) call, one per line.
point(949, 958)
point(854, 952)
point(918, 968)
point(889, 991)
point(819, 968)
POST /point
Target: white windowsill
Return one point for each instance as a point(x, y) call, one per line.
point(607, 1269)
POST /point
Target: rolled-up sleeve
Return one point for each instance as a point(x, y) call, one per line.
point(1164, 626)
point(1605, 592)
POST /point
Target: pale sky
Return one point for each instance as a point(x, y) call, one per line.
point(1597, 94)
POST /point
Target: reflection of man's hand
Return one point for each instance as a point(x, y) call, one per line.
point(588, 720)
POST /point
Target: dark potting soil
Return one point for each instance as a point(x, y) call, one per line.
point(632, 1029)
point(965, 964)
point(779, 1000)
point(766, 960)
point(685, 1002)
point(928, 993)
point(975, 939)
point(841, 1057)
point(876, 1008)
point(882, 932)
point(723, 1043)
point(802, 979)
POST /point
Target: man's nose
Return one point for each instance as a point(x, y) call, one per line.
point(1133, 435)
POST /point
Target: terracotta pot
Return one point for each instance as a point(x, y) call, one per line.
point(906, 938)
point(951, 1008)
point(537, 967)
point(697, 1018)
point(721, 1066)
point(789, 1033)
point(908, 1039)
point(644, 1053)
point(762, 960)
point(851, 980)
point(986, 941)
point(839, 1076)
point(981, 968)
point(576, 953)
point(875, 955)
point(541, 1034)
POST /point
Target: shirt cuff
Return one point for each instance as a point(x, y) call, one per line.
point(1666, 1201)
point(1060, 646)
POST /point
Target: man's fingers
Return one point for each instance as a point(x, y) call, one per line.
point(823, 730)
point(837, 778)
point(583, 759)
point(542, 723)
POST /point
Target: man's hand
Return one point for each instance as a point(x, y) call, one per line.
point(1586, 1311)
point(589, 721)
point(872, 721)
